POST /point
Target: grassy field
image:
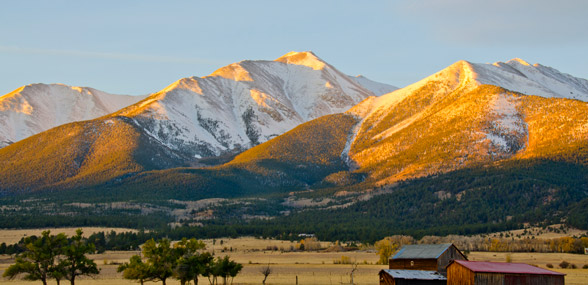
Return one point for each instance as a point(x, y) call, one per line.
point(309, 267)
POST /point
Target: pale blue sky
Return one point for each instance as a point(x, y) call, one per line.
point(139, 47)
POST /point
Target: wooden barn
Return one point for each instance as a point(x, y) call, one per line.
point(481, 272)
point(413, 277)
point(430, 257)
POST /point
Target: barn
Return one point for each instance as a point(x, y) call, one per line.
point(428, 257)
point(481, 272)
point(413, 277)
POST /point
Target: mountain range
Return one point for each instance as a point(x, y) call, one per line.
point(191, 122)
point(298, 127)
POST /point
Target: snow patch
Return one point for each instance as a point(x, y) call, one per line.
point(507, 130)
point(519, 76)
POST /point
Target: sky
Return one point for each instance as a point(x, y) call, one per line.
point(140, 47)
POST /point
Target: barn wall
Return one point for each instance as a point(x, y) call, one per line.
point(386, 279)
point(459, 275)
point(481, 278)
point(532, 279)
point(450, 254)
point(418, 264)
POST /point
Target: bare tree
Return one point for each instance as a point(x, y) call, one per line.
point(353, 269)
point(266, 271)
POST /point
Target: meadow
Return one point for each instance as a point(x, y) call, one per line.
point(309, 267)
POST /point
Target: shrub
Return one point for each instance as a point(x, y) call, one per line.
point(585, 266)
point(344, 260)
point(564, 264)
point(549, 265)
point(573, 266)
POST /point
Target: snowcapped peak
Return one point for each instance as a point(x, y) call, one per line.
point(519, 61)
point(305, 58)
point(515, 75)
point(37, 107)
point(188, 83)
point(461, 73)
point(233, 71)
point(461, 65)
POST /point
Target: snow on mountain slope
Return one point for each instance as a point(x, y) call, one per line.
point(376, 87)
point(245, 103)
point(463, 114)
point(515, 75)
point(520, 76)
point(35, 108)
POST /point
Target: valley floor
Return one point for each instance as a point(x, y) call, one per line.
point(309, 267)
point(315, 267)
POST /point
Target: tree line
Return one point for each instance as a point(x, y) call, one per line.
point(388, 245)
point(184, 261)
point(64, 258)
point(54, 257)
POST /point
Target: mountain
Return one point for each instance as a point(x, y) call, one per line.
point(299, 159)
point(35, 108)
point(81, 154)
point(191, 122)
point(244, 104)
point(469, 114)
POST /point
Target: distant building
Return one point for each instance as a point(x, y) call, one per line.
point(481, 272)
point(306, 235)
point(431, 257)
point(586, 250)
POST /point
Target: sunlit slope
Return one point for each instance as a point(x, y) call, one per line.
point(318, 142)
point(34, 108)
point(451, 121)
point(308, 153)
point(303, 157)
point(81, 154)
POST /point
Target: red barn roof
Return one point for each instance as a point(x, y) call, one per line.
point(501, 267)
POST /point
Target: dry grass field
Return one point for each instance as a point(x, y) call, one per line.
point(309, 267)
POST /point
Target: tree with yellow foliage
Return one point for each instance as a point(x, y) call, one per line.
point(385, 247)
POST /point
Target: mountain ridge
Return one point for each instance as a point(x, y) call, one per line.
point(34, 108)
point(245, 103)
point(499, 127)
